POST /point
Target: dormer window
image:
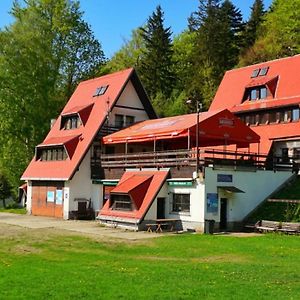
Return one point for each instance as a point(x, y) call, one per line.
point(100, 90)
point(70, 122)
point(52, 154)
point(258, 93)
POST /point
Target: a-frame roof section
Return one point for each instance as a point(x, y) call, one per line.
point(143, 198)
point(231, 91)
point(100, 105)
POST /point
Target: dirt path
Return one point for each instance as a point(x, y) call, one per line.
point(87, 228)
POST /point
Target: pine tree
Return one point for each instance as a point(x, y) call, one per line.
point(156, 66)
point(218, 42)
point(254, 22)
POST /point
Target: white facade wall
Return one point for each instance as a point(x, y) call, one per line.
point(29, 197)
point(129, 98)
point(152, 212)
point(256, 185)
point(80, 187)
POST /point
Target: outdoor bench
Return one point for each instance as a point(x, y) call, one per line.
point(266, 226)
point(274, 226)
point(290, 228)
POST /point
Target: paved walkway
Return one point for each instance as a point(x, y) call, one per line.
point(82, 227)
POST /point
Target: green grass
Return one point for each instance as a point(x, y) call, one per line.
point(20, 211)
point(276, 211)
point(176, 267)
point(290, 191)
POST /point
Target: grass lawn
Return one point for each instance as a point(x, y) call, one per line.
point(20, 211)
point(36, 264)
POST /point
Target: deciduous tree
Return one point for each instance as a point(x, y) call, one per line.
point(43, 55)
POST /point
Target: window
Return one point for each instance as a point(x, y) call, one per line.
point(295, 114)
point(263, 93)
point(263, 71)
point(70, 122)
point(255, 73)
point(296, 153)
point(258, 93)
point(253, 94)
point(285, 154)
point(287, 116)
point(181, 202)
point(121, 202)
point(119, 121)
point(264, 118)
point(100, 90)
point(129, 120)
point(57, 153)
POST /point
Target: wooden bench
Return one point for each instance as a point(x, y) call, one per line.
point(290, 228)
point(266, 226)
point(274, 226)
point(161, 224)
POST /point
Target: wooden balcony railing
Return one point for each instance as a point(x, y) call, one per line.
point(187, 158)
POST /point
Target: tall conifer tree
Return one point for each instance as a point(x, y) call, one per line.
point(156, 66)
point(255, 20)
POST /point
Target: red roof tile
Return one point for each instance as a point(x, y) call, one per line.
point(83, 98)
point(146, 185)
point(214, 128)
point(232, 88)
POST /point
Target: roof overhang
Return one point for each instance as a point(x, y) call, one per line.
point(230, 189)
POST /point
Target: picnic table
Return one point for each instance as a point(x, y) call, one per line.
point(160, 224)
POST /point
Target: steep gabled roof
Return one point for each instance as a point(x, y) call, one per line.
point(231, 91)
point(145, 184)
point(93, 111)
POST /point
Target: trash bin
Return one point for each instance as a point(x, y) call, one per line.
point(209, 226)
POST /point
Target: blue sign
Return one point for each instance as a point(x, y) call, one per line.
point(212, 203)
point(50, 196)
point(59, 196)
point(224, 178)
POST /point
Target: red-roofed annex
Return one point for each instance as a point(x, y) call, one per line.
point(266, 96)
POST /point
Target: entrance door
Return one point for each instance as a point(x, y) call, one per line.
point(160, 208)
point(223, 214)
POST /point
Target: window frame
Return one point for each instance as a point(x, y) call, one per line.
point(121, 202)
point(178, 200)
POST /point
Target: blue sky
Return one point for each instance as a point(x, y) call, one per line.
point(113, 20)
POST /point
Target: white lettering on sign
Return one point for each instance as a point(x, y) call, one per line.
point(226, 122)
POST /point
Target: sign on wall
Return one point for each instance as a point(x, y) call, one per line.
point(59, 197)
point(50, 196)
point(180, 183)
point(212, 203)
point(224, 178)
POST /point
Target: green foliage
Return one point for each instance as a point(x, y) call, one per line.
point(130, 55)
point(176, 267)
point(279, 33)
point(156, 67)
point(253, 24)
point(218, 28)
point(278, 211)
point(43, 55)
point(5, 189)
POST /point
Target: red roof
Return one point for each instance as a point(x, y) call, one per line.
point(81, 102)
point(214, 129)
point(232, 88)
point(143, 187)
